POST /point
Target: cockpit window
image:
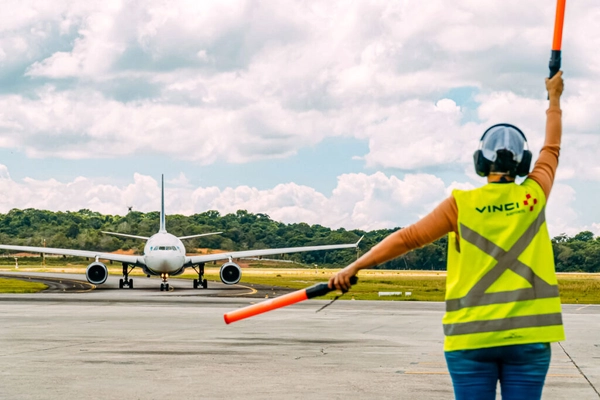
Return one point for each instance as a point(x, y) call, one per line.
point(154, 248)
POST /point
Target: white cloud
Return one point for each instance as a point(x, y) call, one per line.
point(280, 76)
point(359, 200)
point(562, 216)
point(240, 81)
point(416, 134)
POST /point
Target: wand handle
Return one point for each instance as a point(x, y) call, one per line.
point(319, 289)
point(554, 64)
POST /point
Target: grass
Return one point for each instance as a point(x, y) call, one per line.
point(424, 285)
point(19, 286)
point(579, 288)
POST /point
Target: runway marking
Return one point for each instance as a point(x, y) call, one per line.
point(579, 369)
point(92, 287)
point(586, 306)
point(59, 280)
point(251, 292)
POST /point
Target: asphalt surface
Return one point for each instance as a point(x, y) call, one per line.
point(147, 344)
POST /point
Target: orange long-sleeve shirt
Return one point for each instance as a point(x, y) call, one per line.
point(443, 219)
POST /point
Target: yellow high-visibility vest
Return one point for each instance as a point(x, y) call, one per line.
point(501, 286)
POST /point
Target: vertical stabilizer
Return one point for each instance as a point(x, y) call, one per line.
point(162, 204)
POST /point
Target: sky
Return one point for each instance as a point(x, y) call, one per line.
point(348, 114)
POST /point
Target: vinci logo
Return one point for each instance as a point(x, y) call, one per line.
point(499, 207)
point(529, 202)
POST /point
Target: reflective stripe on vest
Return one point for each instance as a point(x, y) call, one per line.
point(506, 260)
point(493, 325)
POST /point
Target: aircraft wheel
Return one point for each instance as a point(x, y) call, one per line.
point(131, 284)
point(120, 283)
point(205, 284)
point(167, 287)
point(162, 287)
point(195, 283)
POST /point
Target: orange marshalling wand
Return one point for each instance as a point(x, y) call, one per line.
point(555, 57)
point(319, 289)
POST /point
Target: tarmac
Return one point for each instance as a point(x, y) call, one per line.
point(146, 344)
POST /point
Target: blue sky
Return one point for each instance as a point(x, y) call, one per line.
point(345, 114)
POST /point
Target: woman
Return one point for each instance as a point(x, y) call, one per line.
point(502, 303)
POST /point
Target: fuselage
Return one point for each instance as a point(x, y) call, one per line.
point(164, 254)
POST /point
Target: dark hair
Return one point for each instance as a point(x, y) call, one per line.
point(505, 163)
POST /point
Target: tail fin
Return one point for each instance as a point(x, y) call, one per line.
point(162, 204)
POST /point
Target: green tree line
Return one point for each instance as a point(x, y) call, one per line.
point(243, 231)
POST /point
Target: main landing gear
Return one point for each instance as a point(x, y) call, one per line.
point(200, 281)
point(164, 286)
point(125, 281)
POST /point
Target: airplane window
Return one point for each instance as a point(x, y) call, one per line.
point(162, 248)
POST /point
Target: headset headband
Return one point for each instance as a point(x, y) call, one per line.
point(506, 126)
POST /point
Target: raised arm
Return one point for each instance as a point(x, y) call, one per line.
point(545, 167)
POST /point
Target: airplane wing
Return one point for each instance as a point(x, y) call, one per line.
point(199, 235)
point(266, 252)
point(126, 235)
point(77, 253)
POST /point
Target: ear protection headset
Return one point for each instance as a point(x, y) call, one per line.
point(483, 165)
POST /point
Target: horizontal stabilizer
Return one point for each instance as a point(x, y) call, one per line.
point(201, 234)
point(126, 235)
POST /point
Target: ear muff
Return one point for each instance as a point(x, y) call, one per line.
point(483, 165)
point(525, 164)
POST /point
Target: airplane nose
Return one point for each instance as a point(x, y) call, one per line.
point(157, 263)
point(162, 263)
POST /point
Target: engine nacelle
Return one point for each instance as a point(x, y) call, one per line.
point(96, 273)
point(230, 273)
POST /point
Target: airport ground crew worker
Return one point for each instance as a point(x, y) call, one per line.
point(502, 303)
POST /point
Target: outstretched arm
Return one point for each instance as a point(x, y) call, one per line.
point(430, 228)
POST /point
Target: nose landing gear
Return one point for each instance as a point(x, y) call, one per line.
point(164, 286)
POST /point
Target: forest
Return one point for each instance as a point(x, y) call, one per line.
point(243, 231)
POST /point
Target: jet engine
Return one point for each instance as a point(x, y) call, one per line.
point(96, 273)
point(230, 273)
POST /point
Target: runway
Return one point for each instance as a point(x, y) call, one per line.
point(147, 344)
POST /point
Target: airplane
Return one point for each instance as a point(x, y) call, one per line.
point(164, 255)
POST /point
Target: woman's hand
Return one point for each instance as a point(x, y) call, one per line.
point(555, 86)
point(341, 280)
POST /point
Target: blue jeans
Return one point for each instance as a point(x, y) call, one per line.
point(521, 370)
